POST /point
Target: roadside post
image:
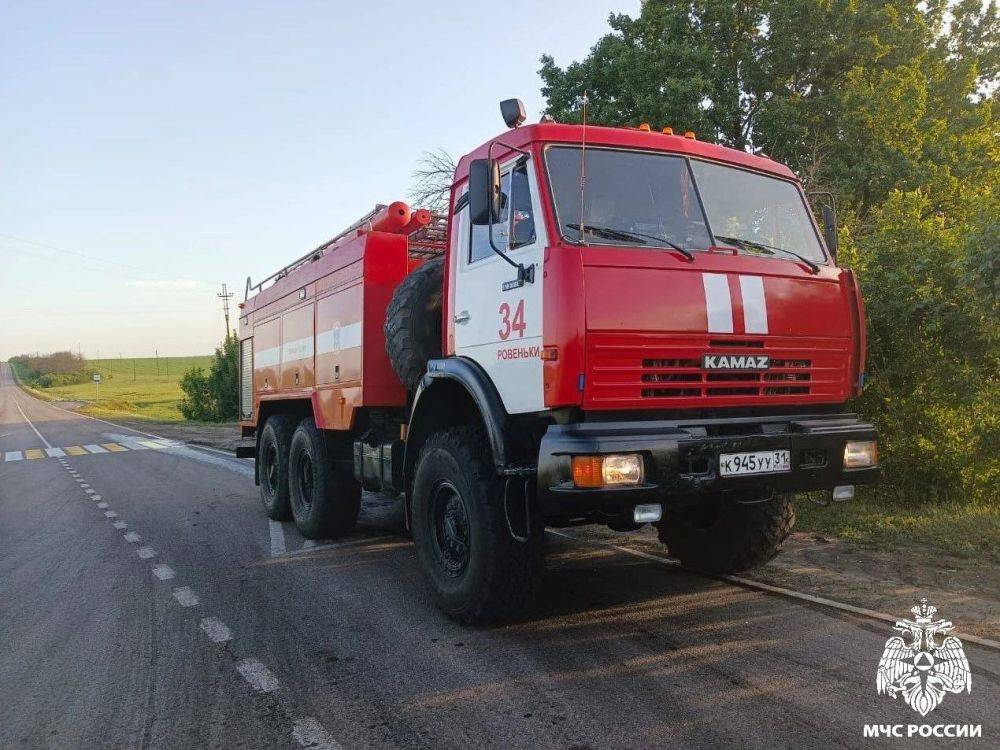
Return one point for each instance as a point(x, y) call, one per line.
point(97, 382)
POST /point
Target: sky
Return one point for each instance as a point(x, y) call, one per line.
point(152, 151)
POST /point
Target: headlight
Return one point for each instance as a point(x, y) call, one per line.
point(859, 454)
point(615, 470)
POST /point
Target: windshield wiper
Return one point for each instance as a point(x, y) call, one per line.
point(746, 244)
point(628, 235)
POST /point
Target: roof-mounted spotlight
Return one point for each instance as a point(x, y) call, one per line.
point(513, 112)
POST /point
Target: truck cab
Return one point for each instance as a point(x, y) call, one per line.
point(621, 326)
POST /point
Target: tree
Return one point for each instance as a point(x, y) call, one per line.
point(213, 397)
point(857, 96)
point(432, 181)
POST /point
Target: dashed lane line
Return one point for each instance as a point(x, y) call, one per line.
point(102, 506)
point(277, 538)
point(146, 553)
point(120, 525)
point(186, 597)
point(132, 537)
point(310, 734)
point(110, 514)
point(163, 572)
point(260, 677)
point(216, 630)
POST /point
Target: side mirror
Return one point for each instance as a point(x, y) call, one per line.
point(830, 228)
point(484, 191)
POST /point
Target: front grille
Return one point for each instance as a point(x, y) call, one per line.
point(653, 370)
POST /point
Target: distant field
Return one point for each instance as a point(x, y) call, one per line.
point(145, 388)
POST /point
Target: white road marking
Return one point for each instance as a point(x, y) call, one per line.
point(132, 537)
point(95, 498)
point(45, 442)
point(718, 305)
point(309, 543)
point(754, 304)
point(259, 676)
point(85, 486)
point(14, 456)
point(146, 552)
point(277, 538)
point(120, 525)
point(338, 545)
point(310, 734)
point(163, 572)
point(55, 452)
point(152, 444)
point(102, 506)
point(186, 597)
point(110, 514)
point(95, 449)
point(90, 491)
point(216, 630)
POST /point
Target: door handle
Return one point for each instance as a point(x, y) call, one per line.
point(463, 317)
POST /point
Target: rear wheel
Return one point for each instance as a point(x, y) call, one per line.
point(477, 571)
point(272, 466)
point(723, 536)
point(323, 494)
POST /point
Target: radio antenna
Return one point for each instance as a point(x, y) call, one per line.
point(583, 171)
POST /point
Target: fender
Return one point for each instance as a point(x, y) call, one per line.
point(476, 383)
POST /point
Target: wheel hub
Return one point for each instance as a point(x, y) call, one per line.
point(450, 524)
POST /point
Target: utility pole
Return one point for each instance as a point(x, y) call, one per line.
point(225, 297)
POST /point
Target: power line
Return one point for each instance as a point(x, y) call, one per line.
point(144, 270)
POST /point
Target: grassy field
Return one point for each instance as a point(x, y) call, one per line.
point(144, 388)
point(961, 529)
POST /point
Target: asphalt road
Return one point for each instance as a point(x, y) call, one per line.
point(213, 628)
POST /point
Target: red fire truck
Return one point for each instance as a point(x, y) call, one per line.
point(609, 325)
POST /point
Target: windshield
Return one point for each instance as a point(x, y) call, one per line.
point(633, 198)
point(751, 208)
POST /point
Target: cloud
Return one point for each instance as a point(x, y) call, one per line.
point(171, 284)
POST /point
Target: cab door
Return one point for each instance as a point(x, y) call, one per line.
point(502, 329)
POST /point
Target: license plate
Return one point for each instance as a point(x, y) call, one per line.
point(760, 462)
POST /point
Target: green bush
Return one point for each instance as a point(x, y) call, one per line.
point(212, 396)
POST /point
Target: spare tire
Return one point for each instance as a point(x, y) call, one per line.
point(413, 323)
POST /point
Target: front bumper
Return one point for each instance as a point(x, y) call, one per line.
point(681, 459)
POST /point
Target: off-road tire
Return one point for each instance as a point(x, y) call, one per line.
point(413, 323)
point(737, 537)
point(323, 494)
point(272, 466)
point(501, 575)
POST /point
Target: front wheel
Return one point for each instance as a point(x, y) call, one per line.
point(323, 493)
point(723, 536)
point(477, 571)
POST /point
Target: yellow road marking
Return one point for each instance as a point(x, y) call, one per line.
point(114, 447)
point(75, 450)
point(34, 453)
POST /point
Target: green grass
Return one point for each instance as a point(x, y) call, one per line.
point(144, 388)
point(961, 529)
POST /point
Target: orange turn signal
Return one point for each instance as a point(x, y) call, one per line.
point(689, 134)
point(587, 471)
point(668, 131)
point(644, 127)
point(550, 353)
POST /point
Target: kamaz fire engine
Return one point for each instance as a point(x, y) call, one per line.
point(623, 326)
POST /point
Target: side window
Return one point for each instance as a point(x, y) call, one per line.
point(522, 220)
point(479, 245)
